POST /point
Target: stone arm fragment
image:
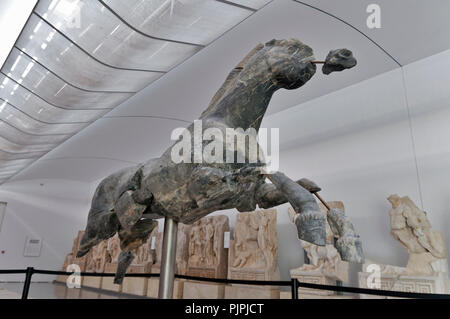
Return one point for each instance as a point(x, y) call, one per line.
point(349, 244)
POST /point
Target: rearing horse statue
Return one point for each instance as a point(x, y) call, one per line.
point(128, 201)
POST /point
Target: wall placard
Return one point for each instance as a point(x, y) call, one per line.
point(226, 239)
point(33, 247)
point(2, 213)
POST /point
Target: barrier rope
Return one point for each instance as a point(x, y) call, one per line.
point(293, 283)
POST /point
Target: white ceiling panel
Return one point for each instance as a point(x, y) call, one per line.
point(139, 128)
point(410, 29)
point(108, 144)
point(186, 91)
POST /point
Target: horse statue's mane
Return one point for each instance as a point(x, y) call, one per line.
point(230, 79)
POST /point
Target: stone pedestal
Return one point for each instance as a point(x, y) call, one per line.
point(135, 285)
point(251, 292)
point(92, 282)
point(61, 279)
point(60, 290)
point(404, 283)
point(87, 294)
point(319, 280)
point(108, 282)
point(73, 293)
point(153, 288)
point(202, 290)
point(288, 295)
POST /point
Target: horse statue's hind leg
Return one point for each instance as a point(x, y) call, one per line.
point(131, 239)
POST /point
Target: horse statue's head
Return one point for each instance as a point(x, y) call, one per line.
point(279, 64)
point(292, 63)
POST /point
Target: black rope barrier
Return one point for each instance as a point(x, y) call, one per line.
point(90, 274)
point(294, 283)
point(379, 292)
point(13, 271)
point(236, 281)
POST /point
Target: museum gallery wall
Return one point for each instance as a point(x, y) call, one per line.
point(252, 254)
point(365, 150)
point(365, 201)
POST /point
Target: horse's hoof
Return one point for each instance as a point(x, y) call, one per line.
point(311, 227)
point(350, 249)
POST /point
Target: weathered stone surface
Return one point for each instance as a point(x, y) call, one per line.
point(126, 201)
point(203, 290)
point(182, 256)
point(338, 60)
point(253, 253)
point(325, 264)
point(427, 268)
point(425, 246)
point(251, 292)
point(207, 255)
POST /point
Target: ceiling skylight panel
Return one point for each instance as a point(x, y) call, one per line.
point(53, 89)
point(6, 156)
point(73, 65)
point(37, 108)
point(254, 4)
point(190, 21)
point(11, 147)
point(14, 134)
point(110, 40)
point(13, 115)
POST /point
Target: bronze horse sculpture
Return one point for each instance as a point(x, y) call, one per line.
point(128, 201)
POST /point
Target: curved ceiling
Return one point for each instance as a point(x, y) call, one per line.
point(139, 128)
point(75, 60)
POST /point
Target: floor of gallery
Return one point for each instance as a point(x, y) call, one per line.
point(49, 290)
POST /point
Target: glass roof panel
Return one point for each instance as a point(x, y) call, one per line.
point(192, 21)
point(37, 108)
point(11, 147)
point(110, 40)
point(75, 60)
point(12, 115)
point(14, 165)
point(254, 4)
point(13, 156)
point(62, 57)
point(15, 135)
point(55, 91)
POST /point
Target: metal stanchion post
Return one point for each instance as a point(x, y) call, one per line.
point(169, 250)
point(294, 288)
point(27, 283)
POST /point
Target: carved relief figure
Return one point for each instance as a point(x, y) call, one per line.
point(113, 248)
point(254, 250)
point(206, 254)
point(182, 248)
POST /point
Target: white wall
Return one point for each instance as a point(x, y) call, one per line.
point(357, 145)
point(54, 211)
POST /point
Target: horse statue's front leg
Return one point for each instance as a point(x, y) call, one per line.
point(309, 220)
